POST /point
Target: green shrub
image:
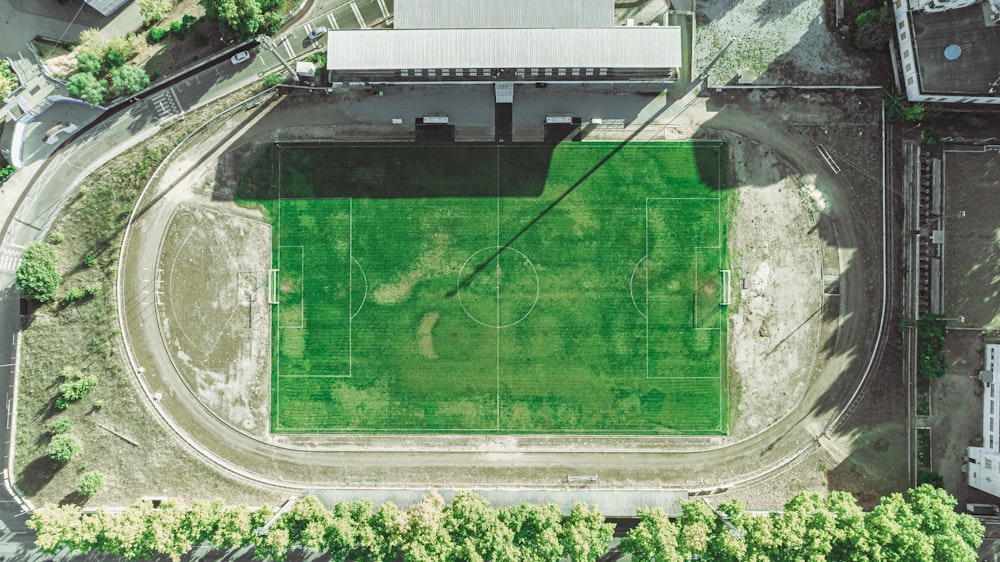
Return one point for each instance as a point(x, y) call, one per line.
point(60, 426)
point(86, 87)
point(64, 447)
point(89, 260)
point(89, 62)
point(76, 385)
point(273, 79)
point(930, 341)
point(157, 33)
point(74, 294)
point(91, 483)
point(874, 29)
point(56, 237)
point(93, 289)
point(37, 276)
point(6, 172)
point(153, 11)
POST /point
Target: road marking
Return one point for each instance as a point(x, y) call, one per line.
point(9, 259)
point(166, 103)
point(288, 48)
point(385, 11)
point(357, 14)
point(333, 22)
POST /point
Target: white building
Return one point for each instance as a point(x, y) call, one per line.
point(984, 462)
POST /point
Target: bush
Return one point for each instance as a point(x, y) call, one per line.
point(91, 483)
point(874, 29)
point(93, 289)
point(64, 447)
point(128, 80)
point(930, 342)
point(6, 172)
point(120, 49)
point(75, 386)
point(74, 294)
point(37, 276)
point(88, 88)
point(157, 33)
point(273, 79)
point(60, 426)
point(177, 28)
point(928, 476)
point(153, 11)
point(89, 62)
point(272, 22)
point(8, 80)
point(56, 237)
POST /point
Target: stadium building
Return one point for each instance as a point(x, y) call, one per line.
point(488, 41)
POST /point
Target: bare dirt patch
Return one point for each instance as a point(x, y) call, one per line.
point(776, 259)
point(426, 336)
point(216, 317)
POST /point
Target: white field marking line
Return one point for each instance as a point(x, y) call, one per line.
point(461, 275)
point(350, 288)
point(333, 22)
point(357, 14)
point(631, 291)
point(697, 262)
point(364, 276)
point(498, 286)
point(719, 229)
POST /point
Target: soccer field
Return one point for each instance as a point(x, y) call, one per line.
point(520, 288)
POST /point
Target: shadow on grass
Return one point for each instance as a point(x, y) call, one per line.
point(74, 498)
point(37, 474)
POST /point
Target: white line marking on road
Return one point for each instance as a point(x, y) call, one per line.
point(333, 22)
point(357, 14)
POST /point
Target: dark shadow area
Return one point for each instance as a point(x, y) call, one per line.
point(556, 133)
point(396, 171)
point(503, 122)
point(431, 133)
point(74, 498)
point(37, 474)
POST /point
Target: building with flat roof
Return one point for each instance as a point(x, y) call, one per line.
point(509, 41)
point(984, 462)
point(949, 53)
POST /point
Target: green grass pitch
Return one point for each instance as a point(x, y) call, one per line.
point(521, 288)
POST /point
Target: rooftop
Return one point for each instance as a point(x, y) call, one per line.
point(612, 47)
point(491, 14)
point(977, 39)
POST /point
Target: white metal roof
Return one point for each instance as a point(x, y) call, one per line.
point(107, 7)
point(501, 14)
point(616, 47)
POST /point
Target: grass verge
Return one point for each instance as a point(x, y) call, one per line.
point(120, 437)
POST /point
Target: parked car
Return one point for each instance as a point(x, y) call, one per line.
point(240, 57)
point(316, 33)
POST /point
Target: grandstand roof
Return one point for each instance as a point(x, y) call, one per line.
point(613, 47)
point(503, 14)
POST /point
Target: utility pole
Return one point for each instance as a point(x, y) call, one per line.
point(270, 45)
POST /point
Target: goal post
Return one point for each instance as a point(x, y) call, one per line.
point(272, 287)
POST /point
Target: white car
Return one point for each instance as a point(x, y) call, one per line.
point(240, 57)
point(316, 33)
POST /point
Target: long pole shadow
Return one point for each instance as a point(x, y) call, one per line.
point(481, 266)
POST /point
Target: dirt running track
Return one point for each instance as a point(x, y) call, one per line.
point(850, 329)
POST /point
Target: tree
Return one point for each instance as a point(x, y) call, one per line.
point(425, 538)
point(55, 527)
point(119, 49)
point(238, 19)
point(63, 447)
point(75, 387)
point(585, 534)
point(476, 530)
point(153, 11)
point(925, 528)
point(536, 530)
point(128, 80)
point(381, 539)
point(874, 29)
point(654, 539)
point(87, 88)
point(91, 483)
point(89, 62)
point(37, 276)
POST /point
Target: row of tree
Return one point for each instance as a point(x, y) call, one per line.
point(921, 527)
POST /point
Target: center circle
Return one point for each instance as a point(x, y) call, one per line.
point(498, 287)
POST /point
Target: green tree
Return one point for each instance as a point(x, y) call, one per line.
point(63, 447)
point(37, 276)
point(157, 33)
point(586, 534)
point(703, 534)
point(238, 19)
point(874, 29)
point(476, 530)
point(153, 11)
point(425, 538)
point(55, 527)
point(923, 528)
point(60, 426)
point(91, 483)
point(75, 386)
point(536, 530)
point(654, 539)
point(382, 538)
point(87, 88)
point(89, 62)
point(128, 80)
point(119, 49)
